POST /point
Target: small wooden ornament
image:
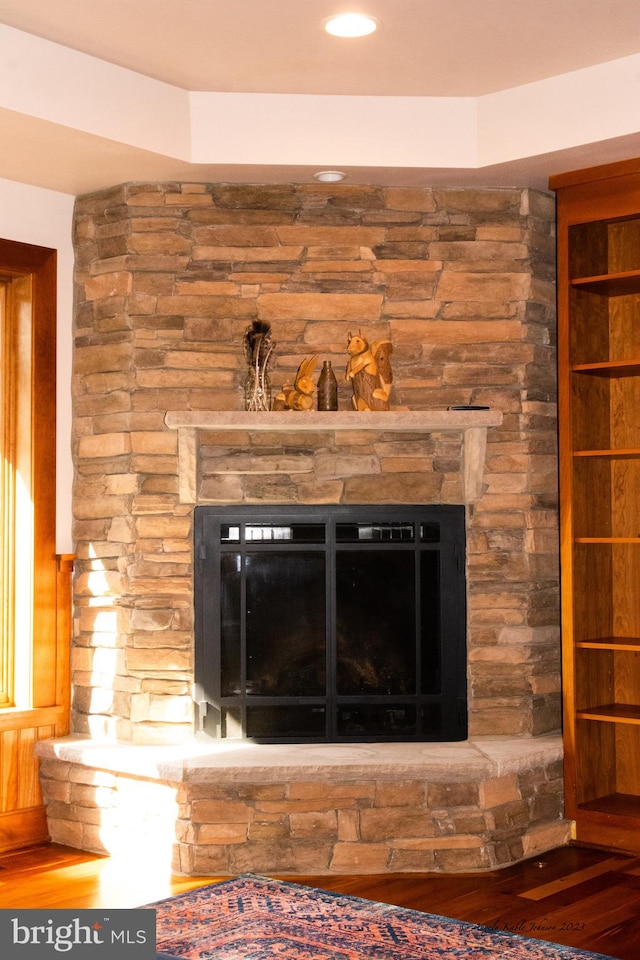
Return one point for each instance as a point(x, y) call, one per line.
point(300, 395)
point(369, 371)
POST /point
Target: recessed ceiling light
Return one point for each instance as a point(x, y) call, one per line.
point(350, 25)
point(329, 176)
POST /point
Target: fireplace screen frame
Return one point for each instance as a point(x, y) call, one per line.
point(437, 714)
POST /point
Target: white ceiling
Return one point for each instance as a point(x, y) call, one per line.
point(423, 49)
point(429, 48)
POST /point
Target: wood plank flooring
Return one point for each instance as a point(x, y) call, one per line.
point(574, 895)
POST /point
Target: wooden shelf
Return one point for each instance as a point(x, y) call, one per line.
point(606, 540)
point(612, 713)
point(610, 284)
point(622, 454)
point(617, 804)
point(609, 368)
point(610, 643)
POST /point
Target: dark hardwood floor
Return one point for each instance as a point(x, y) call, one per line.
point(574, 895)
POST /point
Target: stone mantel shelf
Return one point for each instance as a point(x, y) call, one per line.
point(472, 424)
point(398, 421)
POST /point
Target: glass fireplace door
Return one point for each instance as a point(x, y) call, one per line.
point(273, 641)
point(321, 624)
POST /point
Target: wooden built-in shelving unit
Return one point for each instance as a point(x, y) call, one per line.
point(599, 418)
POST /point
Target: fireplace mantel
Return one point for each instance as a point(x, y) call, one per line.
point(472, 424)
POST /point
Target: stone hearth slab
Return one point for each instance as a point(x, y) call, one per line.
point(201, 761)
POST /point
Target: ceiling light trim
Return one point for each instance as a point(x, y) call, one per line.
point(329, 176)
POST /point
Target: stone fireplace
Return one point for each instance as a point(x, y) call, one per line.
point(168, 278)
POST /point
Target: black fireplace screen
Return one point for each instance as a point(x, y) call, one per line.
point(331, 624)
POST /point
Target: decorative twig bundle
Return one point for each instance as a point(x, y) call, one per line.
point(258, 347)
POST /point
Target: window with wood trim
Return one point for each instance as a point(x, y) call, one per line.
point(27, 476)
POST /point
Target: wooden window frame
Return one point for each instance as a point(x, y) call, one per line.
point(39, 265)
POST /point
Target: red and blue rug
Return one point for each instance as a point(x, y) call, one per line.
point(255, 918)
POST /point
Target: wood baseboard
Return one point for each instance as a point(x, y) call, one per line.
point(23, 828)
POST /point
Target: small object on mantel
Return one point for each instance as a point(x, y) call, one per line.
point(468, 406)
point(258, 348)
point(300, 395)
point(327, 388)
point(369, 370)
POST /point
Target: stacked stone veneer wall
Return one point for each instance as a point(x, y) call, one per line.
point(169, 276)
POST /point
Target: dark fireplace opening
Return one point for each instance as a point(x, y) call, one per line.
point(330, 623)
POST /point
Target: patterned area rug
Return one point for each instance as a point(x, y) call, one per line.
point(255, 918)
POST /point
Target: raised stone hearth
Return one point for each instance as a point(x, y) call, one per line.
point(357, 808)
point(168, 278)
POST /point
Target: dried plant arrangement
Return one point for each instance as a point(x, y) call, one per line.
point(258, 349)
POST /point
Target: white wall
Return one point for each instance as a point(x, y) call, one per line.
point(587, 106)
point(73, 123)
point(240, 128)
point(50, 82)
point(44, 218)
